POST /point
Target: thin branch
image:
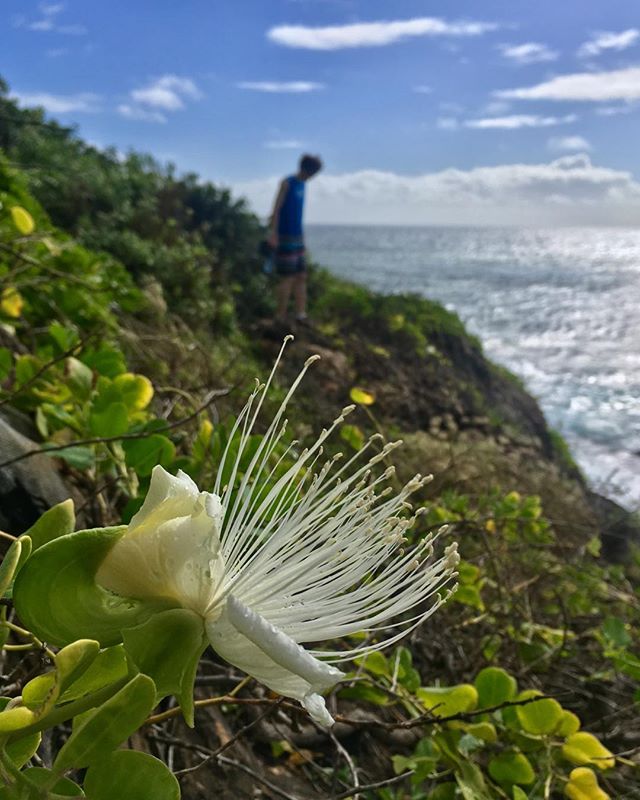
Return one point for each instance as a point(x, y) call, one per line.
point(232, 740)
point(378, 785)
point(257, 777)
point(77, 346)
point(123, 437)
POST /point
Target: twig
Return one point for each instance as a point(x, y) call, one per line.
point(237, 735)
point(125, 436)
point(209, 701)
point(256, 776)
point(45, 367)
point(377, 785)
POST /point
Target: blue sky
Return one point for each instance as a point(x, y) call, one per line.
point(423, 111)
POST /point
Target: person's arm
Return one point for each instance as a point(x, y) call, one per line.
point(275, 215)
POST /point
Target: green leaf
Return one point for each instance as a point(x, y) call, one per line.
point(446, 701)
point(79, 378)
point(509, 768)
point(375, 663)
point(471, 782)
point(569, 723)
point(469, 596)
point(9, 566)
point(132, 776)
point(366, 693)
point(615, 632)
point(107, 726)
point(78, 456)
point(495, 686)
point(6, 362)
point(57, 521)
point(540, 717)
point(110, 666)
point(136, 390)
point(142, 455)
point(444, 791)
point(583, 785)
point(519, 794)
point(353, 436)
point(23, 220)
point(361, 397)
point(107, 361)
point(56, 595)
point(39, 776)
point(21, 750)
point(584, 748)
point(167, 647)
point(113, 421)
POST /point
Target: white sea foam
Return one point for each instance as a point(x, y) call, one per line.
point(559, 307)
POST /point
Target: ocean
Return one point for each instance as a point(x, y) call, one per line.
point(559, 307)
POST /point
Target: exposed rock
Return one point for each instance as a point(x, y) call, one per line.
point(28, 487)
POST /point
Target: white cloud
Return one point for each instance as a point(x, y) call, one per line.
point(528, 53)
point(496, 107)
point(164, 94)
point(613, 111)
point(422, 89)
point(281, 87)
point(516, 121)
point(83, 102)
point(621, 84)
point(573, 143)
point(141, 114)
point(447, 123)
point(372, 34)
point(167, 92)
point(48, 21)
point(569, 190)
point(284, 144)
point(606, 40)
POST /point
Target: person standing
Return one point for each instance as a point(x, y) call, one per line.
point(287, 239)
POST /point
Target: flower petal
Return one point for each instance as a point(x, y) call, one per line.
point(254, 645)
point(171, 547)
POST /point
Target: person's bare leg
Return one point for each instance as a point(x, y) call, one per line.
point(300, 295)
point(283, 293)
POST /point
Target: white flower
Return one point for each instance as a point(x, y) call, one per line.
point(317, 555)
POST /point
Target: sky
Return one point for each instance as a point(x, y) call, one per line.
point(424, 111)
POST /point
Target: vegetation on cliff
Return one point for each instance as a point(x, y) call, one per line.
point(130, 302)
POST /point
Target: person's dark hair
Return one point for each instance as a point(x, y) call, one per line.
point(309, 165)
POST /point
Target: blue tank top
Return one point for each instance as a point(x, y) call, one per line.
point(290, 219)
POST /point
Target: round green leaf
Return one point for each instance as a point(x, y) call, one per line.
point(131, 775)
point(510, 768)
point(113, 421)
point(56, 595)
point(106, 727)
point(540, 717)
point(569, 723)
point(167, 647)
point(136, 390)
point(445, 701)
point(584, 748)
point(142, 455)
point(583, 785)
point(39, 776)
point(495, 686)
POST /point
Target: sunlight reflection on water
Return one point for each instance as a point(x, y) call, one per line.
point(559, 307)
